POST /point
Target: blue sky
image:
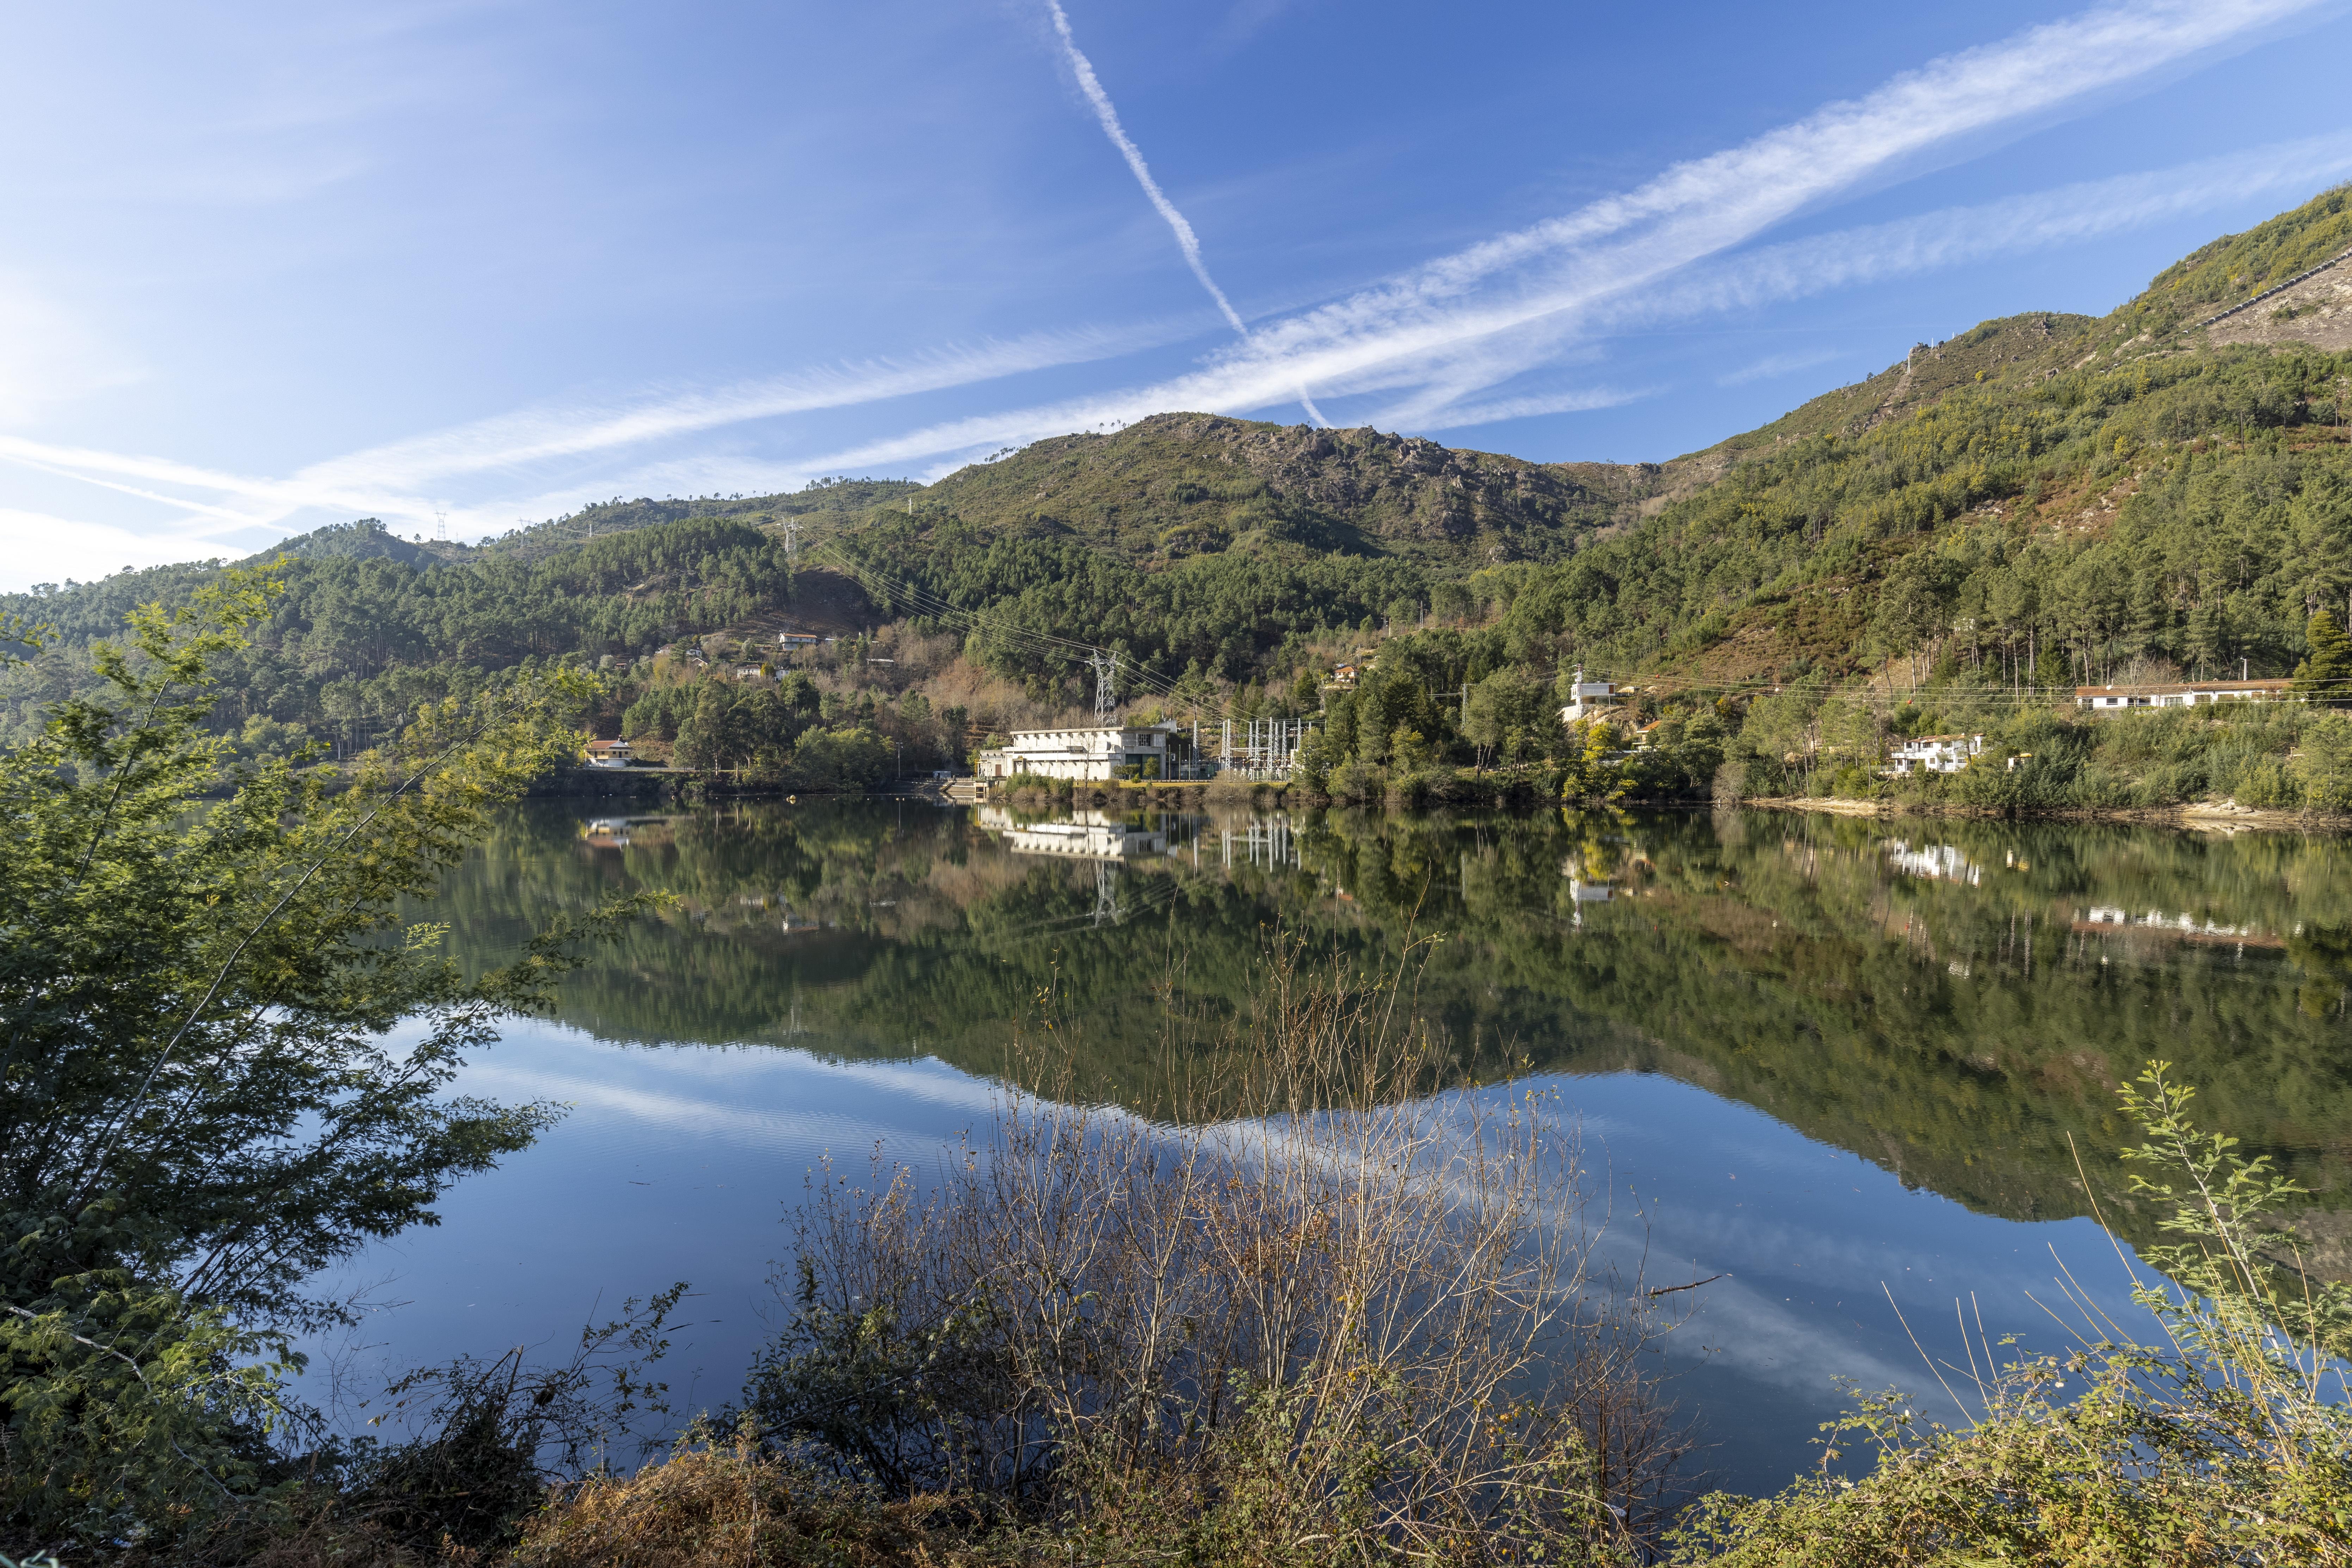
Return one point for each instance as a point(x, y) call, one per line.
point(268, 266)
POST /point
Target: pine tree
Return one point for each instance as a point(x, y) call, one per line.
point(2325, 674)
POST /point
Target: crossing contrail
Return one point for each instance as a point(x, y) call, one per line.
point(1186, 240)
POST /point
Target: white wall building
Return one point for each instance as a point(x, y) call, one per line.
point(1586, 697)
point(1935, 753)
point(2179, 694)
point(1091, 754)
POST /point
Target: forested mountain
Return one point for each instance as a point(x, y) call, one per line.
point(2043, 500)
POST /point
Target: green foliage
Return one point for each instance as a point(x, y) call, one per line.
point(124, 1403)
point(2240, 266)
point(2230, 1442)
point(356, 645)
point(2324, 675)
point(199, 1099)
point(1595, 773)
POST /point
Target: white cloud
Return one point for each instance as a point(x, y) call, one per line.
point(43, 548)
point(1444, 335)
point(394, 481)
point(1540, 279)
point(1459, 415)
point(1770, 365)
point(1106, 114)
point(1957, 236)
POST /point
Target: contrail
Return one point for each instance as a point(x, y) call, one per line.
point(1186, 240)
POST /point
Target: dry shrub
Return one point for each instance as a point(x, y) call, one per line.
point(1320, 1314)
point(727, 1504)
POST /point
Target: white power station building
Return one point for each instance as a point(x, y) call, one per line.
point(1092, 753)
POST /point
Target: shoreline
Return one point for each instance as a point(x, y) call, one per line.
point(2208, 816)
point(2222, 816)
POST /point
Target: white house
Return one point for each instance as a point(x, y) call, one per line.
point(608, 754)
point(1935, 753)
point(1586, 697)
point(1089, 753)
point(2179, 694)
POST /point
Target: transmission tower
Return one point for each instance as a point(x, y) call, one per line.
point(792, 541)
point(1105, 668)
point(441, 524)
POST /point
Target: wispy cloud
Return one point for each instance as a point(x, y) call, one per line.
point(1458, 416)
point(46, 548)
point(538, 435)
point(396, 481)
point(1770, 365)
point(1107, 113)
point(1510, 300)
point(1954, 236)
point(1454, 342)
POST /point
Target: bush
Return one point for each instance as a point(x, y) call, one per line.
point(2324, 770)
point(715, 1505)
point(1311, 1306)
point(2230, 1443)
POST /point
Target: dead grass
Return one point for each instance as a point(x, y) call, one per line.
point(728, 1505)
point(1309, 1311)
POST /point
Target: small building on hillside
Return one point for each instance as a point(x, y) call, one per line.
point(797, 642)
point(1935, 753)
point(1586, 697)
point(2179, 694)
point(1346, 675)
point(1086, 753)
point(608, 754)
point(749, 672)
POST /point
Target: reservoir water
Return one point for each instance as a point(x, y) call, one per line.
point(1848, 1065)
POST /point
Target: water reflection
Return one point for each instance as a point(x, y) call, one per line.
point(1843, 1065)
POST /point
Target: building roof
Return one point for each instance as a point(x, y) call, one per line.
point(2172, 686)
point(1100, 730)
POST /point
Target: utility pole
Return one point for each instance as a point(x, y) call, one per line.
point(1105, 668)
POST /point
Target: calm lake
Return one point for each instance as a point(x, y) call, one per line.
point(1846, 1064)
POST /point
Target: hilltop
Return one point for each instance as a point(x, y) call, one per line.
point(2043, 499)
point(1176, 485)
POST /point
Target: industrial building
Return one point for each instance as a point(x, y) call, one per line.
point(1156, 750)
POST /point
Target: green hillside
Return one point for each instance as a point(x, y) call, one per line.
point(2044, 500)
point(1178, 485)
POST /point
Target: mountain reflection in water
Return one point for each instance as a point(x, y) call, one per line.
point(1840, 1059)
